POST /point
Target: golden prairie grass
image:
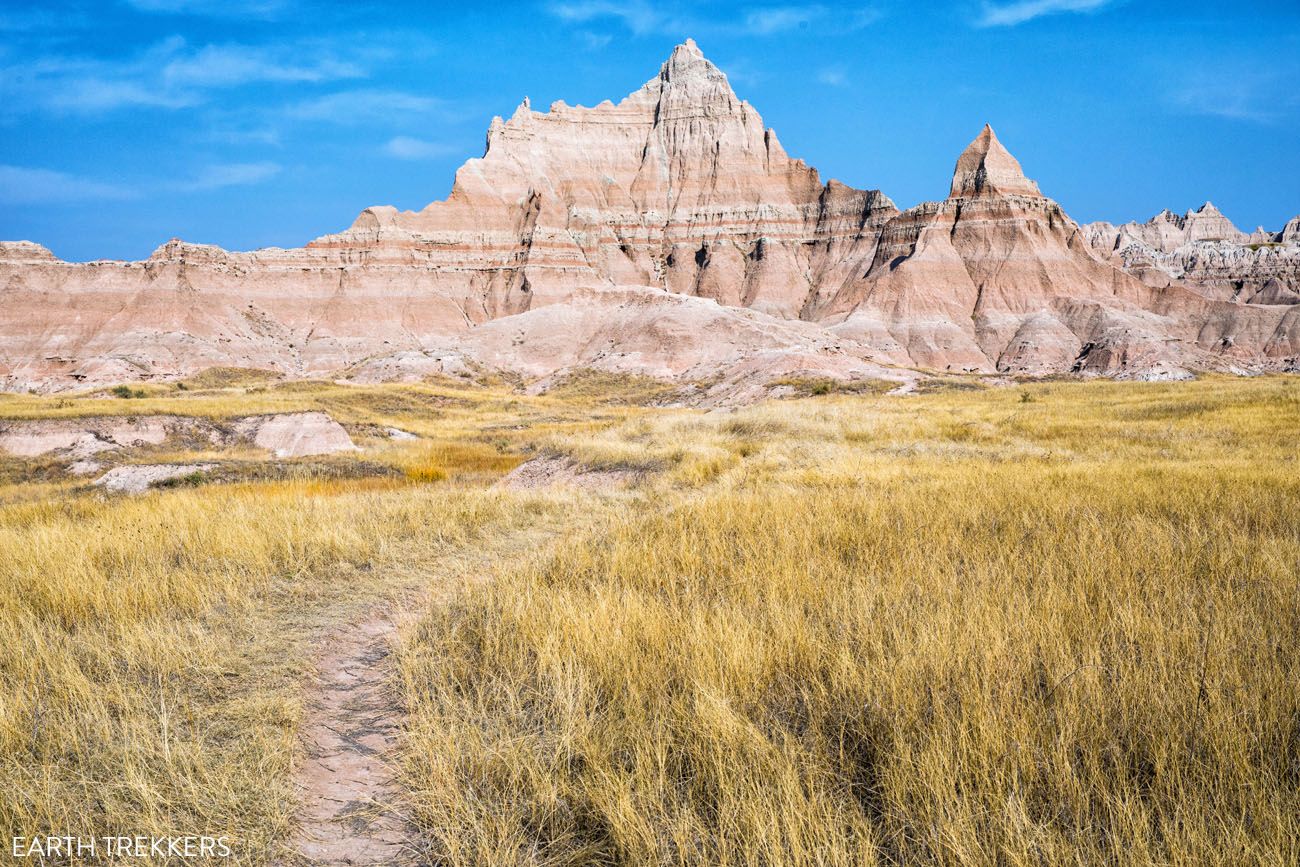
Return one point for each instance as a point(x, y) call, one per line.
point(962, 628)
point(1046, 624)
point(156, 648)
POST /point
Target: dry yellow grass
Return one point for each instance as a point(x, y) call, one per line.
point(966, 628)
point(156, 648)
point(1046, 624)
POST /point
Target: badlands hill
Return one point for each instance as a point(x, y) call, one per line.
point(671, 235)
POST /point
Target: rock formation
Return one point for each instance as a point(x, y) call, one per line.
point(1203, 250)
point(998, 278)
point(136, 479)
point(287, 435)
point(668, 234)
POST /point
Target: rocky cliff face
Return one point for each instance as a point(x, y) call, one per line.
point(668, 234)
point(679, 186)
point(1203, 250)
point(997, 278)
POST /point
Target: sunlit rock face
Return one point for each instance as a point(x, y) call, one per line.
point(1203, 250)
point(998, 278)
point(671, 234)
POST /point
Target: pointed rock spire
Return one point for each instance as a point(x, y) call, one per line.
point(685, 58)
point(1208, 223)
point(1290, 232)
point(688, 66)
point(986, 168)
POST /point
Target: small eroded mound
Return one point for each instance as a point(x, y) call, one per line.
point(138, 479)
point(553, 471)
point(296, 435)
point(287, 435)
point(83, 437)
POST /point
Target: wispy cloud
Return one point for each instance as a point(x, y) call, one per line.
point(20, 185)
point(1254, 95)
point(363, 106)
point(833, 76)
point(233, 65)
point(775, 19)
point(639, 17)
point(217, 177)
point(643, 18)
point(75, 84)
point(1011, 14)
point(24, 185)
point(594, 41)
point(404, 147)
point(242, 134)
point(167, 74)
point(258, 9)
point(92, 94)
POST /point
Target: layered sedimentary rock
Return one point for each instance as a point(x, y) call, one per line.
point(679, 187)
point(667, 234)
point(676, 190)
point(998, 278)
point(1202, 249)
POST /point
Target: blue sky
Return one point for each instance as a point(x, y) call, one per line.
point(250, 123)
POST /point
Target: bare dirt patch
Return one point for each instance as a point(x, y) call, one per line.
point(138, 478)
point(553, 471)
point(350, 809)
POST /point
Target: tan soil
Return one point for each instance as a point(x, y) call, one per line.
point(350, 810)
point(561, 472)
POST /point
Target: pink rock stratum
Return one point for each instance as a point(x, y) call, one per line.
point(670, 234)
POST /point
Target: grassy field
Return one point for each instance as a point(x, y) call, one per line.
point(1045, 624)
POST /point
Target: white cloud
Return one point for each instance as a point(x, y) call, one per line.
point(833, 75)
point(263, 9)
point(362, 106)
point(864, 17)
point(594, 41)
point(671, 19)
point(235, 134)
point(406, 148)
point(765, 22)
point(27, 186)
point(639, 17)
point(232, 65)
point(1011, 14)
point(167, 74)
point(1236, 92)
point(230, 175)
point(92, 94)
point(21, 185)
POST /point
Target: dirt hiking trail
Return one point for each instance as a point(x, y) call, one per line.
point(348, 812)
point(351, 808)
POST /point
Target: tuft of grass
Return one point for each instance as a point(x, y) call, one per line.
point(604, 387)
point(811, 386)
point(434, 462)
point(229, 377)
